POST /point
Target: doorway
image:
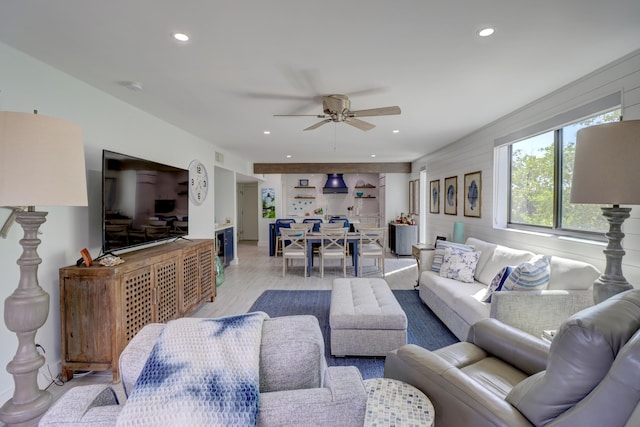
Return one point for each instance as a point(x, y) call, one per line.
point(247, 197)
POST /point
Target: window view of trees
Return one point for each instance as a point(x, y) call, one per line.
point(538, 197)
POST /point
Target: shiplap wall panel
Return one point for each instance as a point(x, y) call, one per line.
point(475, 152)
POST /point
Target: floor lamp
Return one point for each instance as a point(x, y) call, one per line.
point(41, 163)
point(606, 171)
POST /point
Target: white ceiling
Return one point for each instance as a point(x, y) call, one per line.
point(250, 59)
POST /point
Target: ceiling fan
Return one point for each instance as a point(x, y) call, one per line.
point(337, 108)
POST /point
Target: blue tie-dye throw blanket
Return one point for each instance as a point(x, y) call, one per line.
point(201, 372)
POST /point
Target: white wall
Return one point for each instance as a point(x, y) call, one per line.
point(396, 196)
point(225, 199)
point(475, 152)
point(225, 195)
point(107, 123)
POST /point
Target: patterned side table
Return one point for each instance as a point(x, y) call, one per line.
point(395, 403)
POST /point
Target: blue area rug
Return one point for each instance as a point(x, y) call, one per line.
point(425, 329)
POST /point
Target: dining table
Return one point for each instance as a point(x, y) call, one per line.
point(315, 237)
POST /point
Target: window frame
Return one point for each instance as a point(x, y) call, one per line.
point(556, 124)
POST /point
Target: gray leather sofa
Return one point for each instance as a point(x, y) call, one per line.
point(501, 376)
point(296, 386)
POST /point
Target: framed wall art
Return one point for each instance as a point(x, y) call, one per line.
point(472, 194)
point(268, 202)
point(434, 196)
point(451, 195)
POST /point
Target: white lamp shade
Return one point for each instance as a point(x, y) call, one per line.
point(41, 161)
point(606, 169)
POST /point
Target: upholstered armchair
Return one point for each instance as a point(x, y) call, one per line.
point(296, 386)
point(501, 376)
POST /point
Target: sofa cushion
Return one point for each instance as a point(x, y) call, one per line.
point(580, 356)
point(500, 257)
point(486, 251)
point(470, 307)
point(497, 282)
point(570, 274)
point(441, 245)
point(291, 354)
point(459, 265)
point(465, 299)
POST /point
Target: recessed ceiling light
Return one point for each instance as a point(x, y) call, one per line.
point(373, 155)
point(181, 37)
point(267, 132)
point(486, 32)
point(288, 156)
point(396, 131)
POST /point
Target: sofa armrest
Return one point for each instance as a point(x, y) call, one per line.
point(341, 402)
point(95, 405)
point(517, 348)
point(135, 354)
point(457, 398)
point(536, 311)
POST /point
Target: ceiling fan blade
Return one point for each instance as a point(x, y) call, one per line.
point(383, 111)
point(370, 91)
point(317, 125)
point(360, 124)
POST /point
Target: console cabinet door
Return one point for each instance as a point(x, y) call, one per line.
point(207, 272)
point(137, 301)
point(86, 334)
point(166, 290)
point(190, 281)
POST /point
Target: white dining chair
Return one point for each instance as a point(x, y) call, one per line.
point(358, 226)
point(372, 246)
point(333, 246)
point(294, 246)
point(302, 226)
point(331, 226)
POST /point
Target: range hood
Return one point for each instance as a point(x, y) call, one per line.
point(335, 184)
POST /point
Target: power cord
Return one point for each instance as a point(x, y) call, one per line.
point(58, 379)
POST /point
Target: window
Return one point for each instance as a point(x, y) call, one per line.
point(540, 172)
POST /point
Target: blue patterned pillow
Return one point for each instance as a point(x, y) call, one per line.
point(439, 252)
point(497, 282)
point(530, 276)
point(459, 265)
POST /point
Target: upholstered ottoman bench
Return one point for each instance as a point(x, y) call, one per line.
point(365, 318)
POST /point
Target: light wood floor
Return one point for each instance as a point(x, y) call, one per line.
point(256, 272)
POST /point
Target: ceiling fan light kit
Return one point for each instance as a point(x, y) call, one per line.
point(337, 108)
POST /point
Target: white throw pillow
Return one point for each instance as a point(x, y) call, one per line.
point(441, 245)
point(530, 276)
point(459, 265)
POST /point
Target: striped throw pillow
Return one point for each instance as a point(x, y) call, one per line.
point(438, 255)
point(530, 276)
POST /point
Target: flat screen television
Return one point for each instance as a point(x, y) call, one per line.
point(142, 201)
